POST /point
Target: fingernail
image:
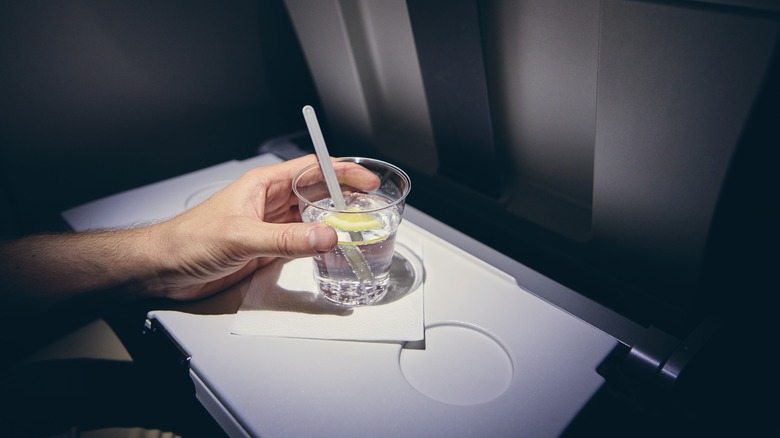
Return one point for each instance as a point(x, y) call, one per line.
point(321, 239)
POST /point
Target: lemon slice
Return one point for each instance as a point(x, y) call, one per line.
point(364, 242)
point(353, 221)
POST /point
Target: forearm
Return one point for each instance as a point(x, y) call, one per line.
point(46, 269)
point(191, 256)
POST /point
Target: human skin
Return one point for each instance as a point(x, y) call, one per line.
point(238, 230)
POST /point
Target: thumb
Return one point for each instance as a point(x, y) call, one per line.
point(294, 239)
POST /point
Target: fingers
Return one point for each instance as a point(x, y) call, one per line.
point(351, 174)
point(357, 176)
point(293, 240)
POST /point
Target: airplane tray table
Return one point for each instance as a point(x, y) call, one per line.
point(498, 360)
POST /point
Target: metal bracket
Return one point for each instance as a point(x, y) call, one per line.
point(166, 345)
point(659, 358)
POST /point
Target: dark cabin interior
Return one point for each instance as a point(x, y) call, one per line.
point(626, 149)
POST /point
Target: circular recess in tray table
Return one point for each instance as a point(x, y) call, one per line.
point(406, 274)
point(460, 365)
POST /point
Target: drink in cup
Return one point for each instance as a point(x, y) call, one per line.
point(356, 272)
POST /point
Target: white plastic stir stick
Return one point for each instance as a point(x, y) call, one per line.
point(353, 254)
point(324, 157)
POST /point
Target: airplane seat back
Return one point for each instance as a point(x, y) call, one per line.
point(590, 140)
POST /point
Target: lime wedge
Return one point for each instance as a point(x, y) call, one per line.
point(353, 221)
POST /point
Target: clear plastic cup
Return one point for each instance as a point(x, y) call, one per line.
point(356, 272)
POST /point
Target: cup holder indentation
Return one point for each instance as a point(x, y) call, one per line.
point(460, 365)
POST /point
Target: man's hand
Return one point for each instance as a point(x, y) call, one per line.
point(202, 251)
point(242, 228)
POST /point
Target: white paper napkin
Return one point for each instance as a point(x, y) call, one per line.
point(282, 300)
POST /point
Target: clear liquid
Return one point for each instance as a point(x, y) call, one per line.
point(335, 274)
